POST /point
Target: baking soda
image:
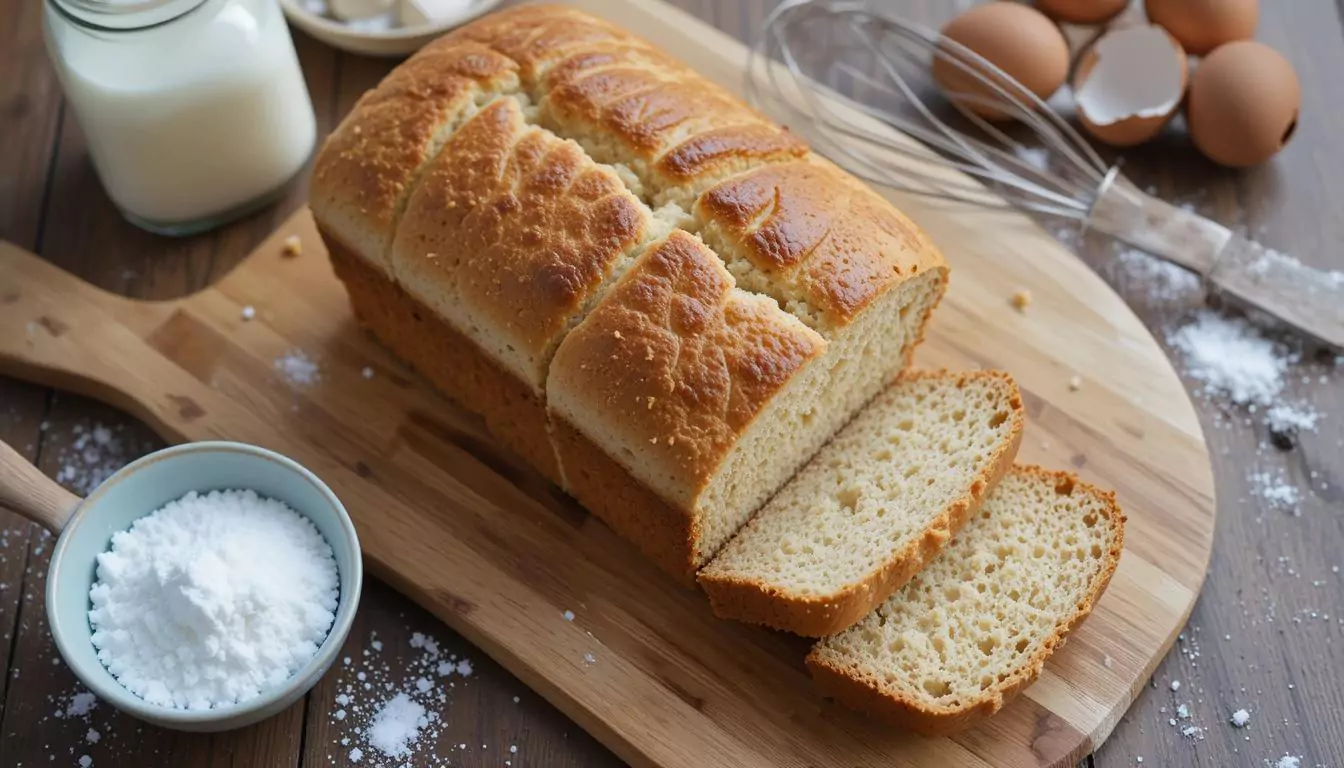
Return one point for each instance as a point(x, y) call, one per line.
point(212, 600)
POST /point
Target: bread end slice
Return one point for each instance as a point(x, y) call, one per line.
point(1011, 600)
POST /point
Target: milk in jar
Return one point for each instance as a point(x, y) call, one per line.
point(195, 111)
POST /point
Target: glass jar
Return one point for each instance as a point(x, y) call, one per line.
point(195, 111)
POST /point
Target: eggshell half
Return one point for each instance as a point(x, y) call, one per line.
point(1082, 11)
point(1244, 103)
point(1016, 38)
point(1129, 85)
point(1202, 25)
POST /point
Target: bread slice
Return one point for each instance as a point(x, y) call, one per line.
point(975, 627)
point(873, 506)
point(675, 379)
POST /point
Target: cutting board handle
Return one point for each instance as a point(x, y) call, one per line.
point(59, 331)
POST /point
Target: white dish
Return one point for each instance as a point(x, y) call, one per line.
point(399, 41)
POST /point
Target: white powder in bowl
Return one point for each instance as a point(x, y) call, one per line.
point(212, 599)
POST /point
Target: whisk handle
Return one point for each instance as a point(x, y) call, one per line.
point(1126, 212)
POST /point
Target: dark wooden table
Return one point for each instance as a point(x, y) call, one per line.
point(1267, 634)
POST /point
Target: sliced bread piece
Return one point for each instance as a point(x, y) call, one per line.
point(873, 506)
point(975, 627)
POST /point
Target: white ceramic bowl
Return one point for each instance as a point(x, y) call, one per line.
point(393, 42)
point(147, 484)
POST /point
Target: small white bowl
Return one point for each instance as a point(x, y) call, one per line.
point(147, 484)
point(400, 41)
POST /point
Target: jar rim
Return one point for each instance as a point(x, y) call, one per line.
point(124, 15)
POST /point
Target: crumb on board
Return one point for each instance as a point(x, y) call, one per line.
point(1075, 383)
point(249, 312)
point(1021, 300)
point(292, 246)
point(1240, 718)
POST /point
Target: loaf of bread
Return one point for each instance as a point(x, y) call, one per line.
point(651, 292)
point(881, 499)
point(975, 627)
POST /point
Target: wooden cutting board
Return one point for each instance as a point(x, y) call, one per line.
point(496, 552)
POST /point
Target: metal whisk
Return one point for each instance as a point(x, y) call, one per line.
point(941, 148)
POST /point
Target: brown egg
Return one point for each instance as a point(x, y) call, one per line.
point(1129, 84)
point(1244, 102)
point(1082, 11)
point(1018, 39)
point(1202, 25)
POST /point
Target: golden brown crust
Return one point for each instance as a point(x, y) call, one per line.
point(449, 360)
point(749, 600)
point(538, 36)
point(835, 243)
point(891, 707)
point(514, 230)
point(595, 79)
point(367, 166)
point(674, 367)
point(658, 529)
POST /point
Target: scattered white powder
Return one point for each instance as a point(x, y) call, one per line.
point(85, 761)
point(81, 704)
point(396, 717)
point(1288, 761)
point(569, 615)
point(249, 312)
point(397, 726)
point(1183, 712)
point(1285, 417)
point(1231, 357)
point(95, 454)
point(1241, 718)
point(92, 736)
point(356, 755)
point(1272, 258)
point(297, 368)
point(464, 668)
point(212, 599)
point(1161, 280)
point(1275, 489)
point(1175, 684)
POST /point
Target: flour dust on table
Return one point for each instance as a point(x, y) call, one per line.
point(387, 717)
point(213, 599)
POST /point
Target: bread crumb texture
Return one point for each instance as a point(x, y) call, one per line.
point(885, 493)
point(975, 626)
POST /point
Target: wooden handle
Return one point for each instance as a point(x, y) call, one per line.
point(25, 490)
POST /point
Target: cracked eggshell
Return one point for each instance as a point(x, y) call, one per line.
point(1244, 104)
point(1017, 39)
point(1129, 85)
point(1082, 11)
point(1202, 25)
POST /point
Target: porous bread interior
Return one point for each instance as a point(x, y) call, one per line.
point(877, 485)
point(799, 420)
point(983, 609)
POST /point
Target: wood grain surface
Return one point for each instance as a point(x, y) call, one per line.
point(1259, 633)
